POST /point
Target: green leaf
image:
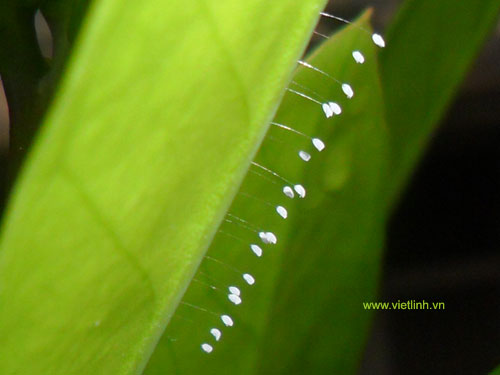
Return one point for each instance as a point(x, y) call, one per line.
point(333, 250)
point(159, 114)
point(304, 314)
point(432, 44)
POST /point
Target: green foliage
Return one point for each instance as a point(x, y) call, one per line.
point(161, 110)
point(433, 43)
point(333, 249)
point(312, 282)
point(150, 134)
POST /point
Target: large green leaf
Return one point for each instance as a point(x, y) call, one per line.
point(163, 106)
point(333, 250)
point(310, 285)
point(432, 44)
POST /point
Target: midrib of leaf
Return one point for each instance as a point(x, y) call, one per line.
point(104, 223)
point(160, 164)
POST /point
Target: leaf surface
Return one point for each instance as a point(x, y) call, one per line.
point(432, 45)
point(159, 114)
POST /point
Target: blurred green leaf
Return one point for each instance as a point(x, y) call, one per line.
point(162, 108)
point(432, 44)
point(333, 249)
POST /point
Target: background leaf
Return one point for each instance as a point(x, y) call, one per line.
point(433, 43)
point(333, 250)
point(159, 114)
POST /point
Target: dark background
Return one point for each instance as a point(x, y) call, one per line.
point(443, 238)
